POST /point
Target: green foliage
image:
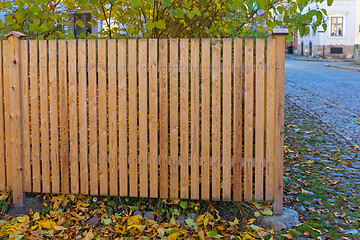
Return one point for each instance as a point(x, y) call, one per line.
point(5, 200)
point(47, 19)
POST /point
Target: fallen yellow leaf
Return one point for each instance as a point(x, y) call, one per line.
point(49, 224)
point(288, 235)
point(174, 236)
point(4, 196)
point(59, 228)
point(36, 216)
point(89, 236)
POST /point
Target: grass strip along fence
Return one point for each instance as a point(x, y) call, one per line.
point(168, 118)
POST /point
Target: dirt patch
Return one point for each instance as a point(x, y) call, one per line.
point(31, 202)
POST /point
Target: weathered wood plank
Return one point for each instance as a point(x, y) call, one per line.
point(102, 105)
point(6, 74)
point(279, 124)
point(259, 121)
point(63, 104)
point(24, 78)
point(153, 117)
point(184, 118)
point(73, 118)
point(123, 165)
point(249, 120)
point(163, 108)
point(83, 118)
point(238, 121)
point(2, 130)
point(54, 117)
point(17, 186)
point(216, 118)
point(133, 143)
point(227, 58)
point(113, 134)
point(195, 118)
point(93, 127)
point(35, 125)
point(270, 120)
point(44, 109)
point(205, 119)
point(143, 114)
point(174, 120)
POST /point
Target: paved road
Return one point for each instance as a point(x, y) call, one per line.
point(330, 93)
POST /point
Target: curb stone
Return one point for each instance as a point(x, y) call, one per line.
point(343, 67)
point(317, 59)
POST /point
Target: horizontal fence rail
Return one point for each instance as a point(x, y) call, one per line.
point(169, 118)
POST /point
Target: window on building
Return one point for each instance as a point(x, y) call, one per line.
point(337, 26)
point(85, 17)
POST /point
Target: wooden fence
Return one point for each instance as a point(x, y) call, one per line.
point(192, 119)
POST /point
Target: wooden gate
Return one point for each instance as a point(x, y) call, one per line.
point(192, 119)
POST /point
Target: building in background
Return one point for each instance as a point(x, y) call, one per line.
point(357, 36)
point(341, 36)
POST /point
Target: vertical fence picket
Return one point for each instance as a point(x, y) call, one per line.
point(216, 51)
point(205, 119)
point(83, 118)
point(24, 78)
point(64, 131)
point(174, 105)
point(133, 144)
point(2, 129)
point(113, 145)
point(93, 129)
point(238, 121)
point(163, 116)
point(54, 117)
point(249, 120)
point(35, 127)
point(44, 109)
point(259, 121)
point(184, 118)
point(123, 164)
point(270, 120)
point(6, 74)
point(17, 186)
point(279, 123)
point(143, 112)
point(153, 117)
point(194, 118)
point(73, 118)
point(102, 105)
point(226, 144)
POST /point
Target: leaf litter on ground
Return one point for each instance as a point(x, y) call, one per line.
point(322, 179)
point(85, 217)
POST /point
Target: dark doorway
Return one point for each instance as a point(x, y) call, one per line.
point(302, 48)
point(310, 49)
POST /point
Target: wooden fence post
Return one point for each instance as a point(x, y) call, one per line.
point(279, 118)
point(15, 117)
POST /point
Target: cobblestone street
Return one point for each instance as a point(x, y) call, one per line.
point(332, 94)
point(322, 132)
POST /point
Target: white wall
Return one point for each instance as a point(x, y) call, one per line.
point(340, 8)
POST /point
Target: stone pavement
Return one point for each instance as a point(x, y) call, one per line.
point(322, 178)
point(330, 93)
